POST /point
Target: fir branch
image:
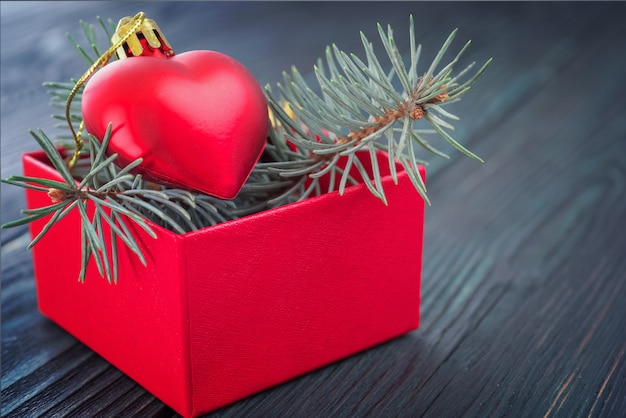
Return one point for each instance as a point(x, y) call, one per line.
point(359, 112)
point(117, 196)
point(359, 107)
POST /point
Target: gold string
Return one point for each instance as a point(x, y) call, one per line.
point(100, 62)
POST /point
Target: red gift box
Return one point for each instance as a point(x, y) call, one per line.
point(230, 310)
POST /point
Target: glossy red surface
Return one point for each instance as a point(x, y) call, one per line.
point(198, 119)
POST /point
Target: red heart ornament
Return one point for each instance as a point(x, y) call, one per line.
point(198, 119)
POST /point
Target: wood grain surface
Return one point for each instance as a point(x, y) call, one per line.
point(524, 276)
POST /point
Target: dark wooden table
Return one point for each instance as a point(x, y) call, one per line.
point(524, 276)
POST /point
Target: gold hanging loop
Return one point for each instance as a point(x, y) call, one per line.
point(132, 26)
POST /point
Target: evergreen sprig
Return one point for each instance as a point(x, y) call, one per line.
point(117, 197)
point(363, 108)
point(360, 109)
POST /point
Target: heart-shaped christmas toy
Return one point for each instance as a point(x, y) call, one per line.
point(198, 119)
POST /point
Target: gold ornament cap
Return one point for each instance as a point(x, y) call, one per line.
point(147, 39)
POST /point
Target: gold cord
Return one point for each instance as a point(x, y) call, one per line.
point(100, 62)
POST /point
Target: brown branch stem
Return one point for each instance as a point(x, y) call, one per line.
point(57, 195)
point(403, 109)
